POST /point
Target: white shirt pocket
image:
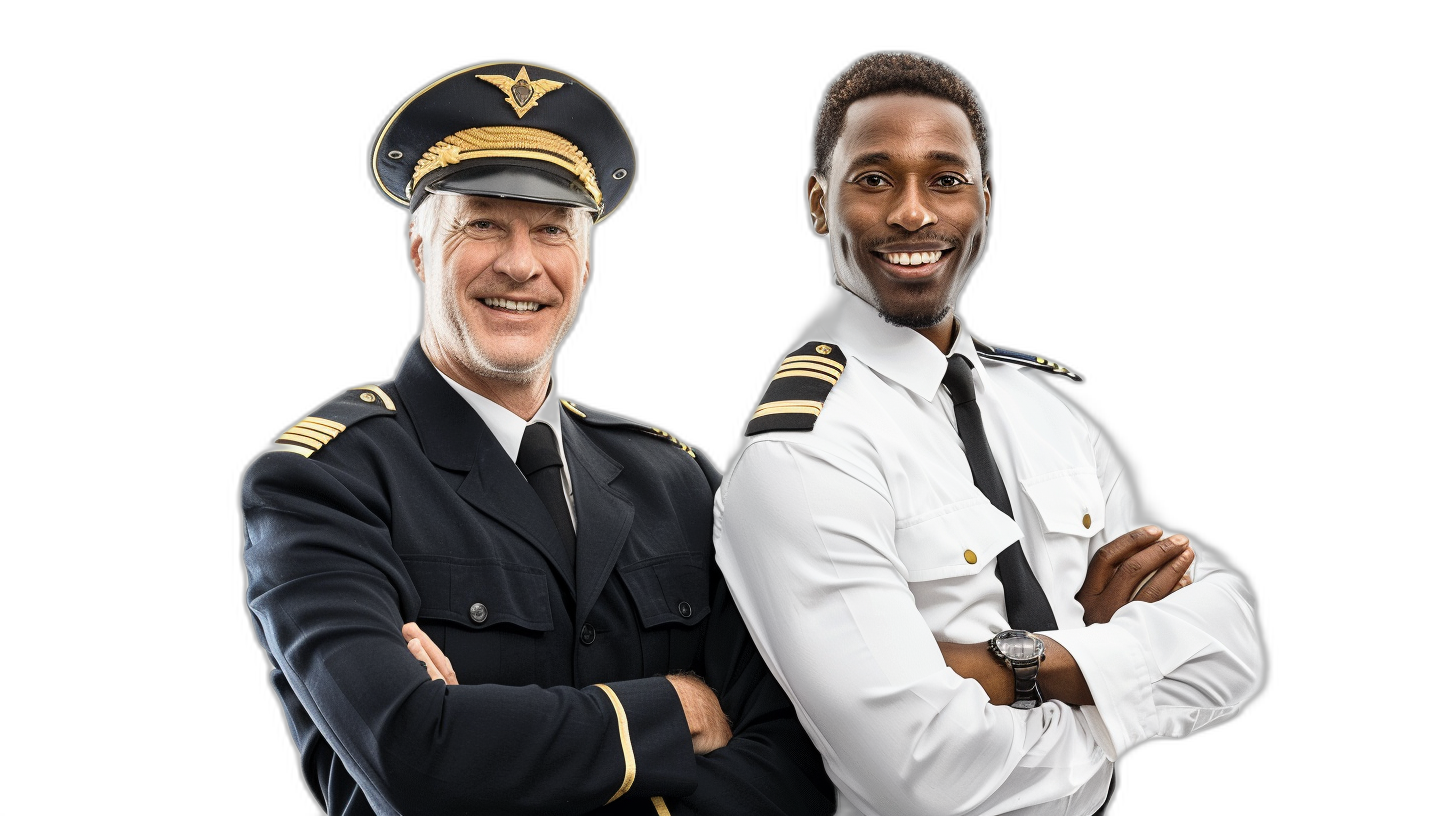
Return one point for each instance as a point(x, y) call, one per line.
point(1068, 501)
point(953, 540)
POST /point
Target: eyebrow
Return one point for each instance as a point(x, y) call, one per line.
point(882, 158)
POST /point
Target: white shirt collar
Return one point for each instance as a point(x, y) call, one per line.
point(894, 352)
point(506, 426)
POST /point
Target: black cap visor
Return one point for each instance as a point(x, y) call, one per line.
point(521, 179)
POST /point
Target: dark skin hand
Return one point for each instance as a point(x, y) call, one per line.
point(1113, 579)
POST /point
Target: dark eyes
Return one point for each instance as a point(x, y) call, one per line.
point(877, 181)
point(553, 230)
point(482, 224)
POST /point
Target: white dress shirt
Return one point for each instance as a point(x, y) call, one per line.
point(508, 429)
point(849, 550)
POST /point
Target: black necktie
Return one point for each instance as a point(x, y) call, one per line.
point(1026, 604)
point(540, 462)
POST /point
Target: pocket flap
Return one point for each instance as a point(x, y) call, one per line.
point(1069, 501)
point(481, 593)
point(958, 539)
point(668, 589)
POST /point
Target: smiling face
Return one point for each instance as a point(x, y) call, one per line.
point(904, 204)
point(503, 279)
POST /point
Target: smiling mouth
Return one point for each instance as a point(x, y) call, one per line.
point(510, 305)
point(911, 258)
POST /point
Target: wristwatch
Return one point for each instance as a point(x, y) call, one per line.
point(1022, 652)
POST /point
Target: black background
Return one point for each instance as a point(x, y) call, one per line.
point(1132, 181)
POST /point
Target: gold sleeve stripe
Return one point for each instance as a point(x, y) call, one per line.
point(816, 375)
point(806, 366)
point(806, 358)
point(286, 447)
point(302, 440)
point(320, 427)
point(327, 423)
point(627, 757)
point(378, 392)
point(661, 806)
point(311, 434)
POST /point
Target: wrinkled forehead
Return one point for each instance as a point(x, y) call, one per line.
point(900, 128)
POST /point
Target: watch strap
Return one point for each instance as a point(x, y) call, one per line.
point(1028, 694)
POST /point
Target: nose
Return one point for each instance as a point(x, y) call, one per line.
point(911, 209)
point(517, 260)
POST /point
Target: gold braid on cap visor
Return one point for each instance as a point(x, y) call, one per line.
point(508, 142)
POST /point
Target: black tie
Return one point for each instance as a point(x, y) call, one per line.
point(540, 462)
point(1026, 604)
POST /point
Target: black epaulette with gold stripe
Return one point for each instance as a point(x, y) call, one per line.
point(796, 394)
point(329, 420)
point(1021, 358)
point(602, 419)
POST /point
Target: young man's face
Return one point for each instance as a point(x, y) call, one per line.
point(904, 206)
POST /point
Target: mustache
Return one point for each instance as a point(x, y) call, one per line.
point(919, 235)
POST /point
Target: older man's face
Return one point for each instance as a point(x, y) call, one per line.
point(904, 205)
point(503, 280)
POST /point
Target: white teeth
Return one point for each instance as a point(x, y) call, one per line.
point(913, 258)
point(513, 305)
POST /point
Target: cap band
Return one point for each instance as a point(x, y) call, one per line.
point(508, 142)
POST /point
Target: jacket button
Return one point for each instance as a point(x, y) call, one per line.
point(685, 609)
point(1087, 521)
point(478, 612)
point(969, 556)
point(588, 634)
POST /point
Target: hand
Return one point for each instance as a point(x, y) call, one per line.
point(706, 720)
point(436, 663)
point(1134, 567)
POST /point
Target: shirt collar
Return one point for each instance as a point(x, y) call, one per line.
point(506, 426)
point(894, 352)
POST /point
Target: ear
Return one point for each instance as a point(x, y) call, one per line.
point(586, 272)
point(986, 191)
point(816, 205)
point(416, 242)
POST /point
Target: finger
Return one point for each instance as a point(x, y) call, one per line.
point(1134, 570)
point(1165, 579)
point(437, 655)
point(418, 650)
point(1106, 560)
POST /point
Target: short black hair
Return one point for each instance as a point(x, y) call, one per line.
point(887, 73)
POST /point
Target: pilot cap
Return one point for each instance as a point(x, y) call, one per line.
point(509, 130)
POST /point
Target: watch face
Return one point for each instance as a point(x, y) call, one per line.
point(1019, 647)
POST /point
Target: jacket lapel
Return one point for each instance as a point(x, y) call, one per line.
point(454, 437)
point(603, 515)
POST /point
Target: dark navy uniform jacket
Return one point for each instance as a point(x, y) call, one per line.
point(417, 514)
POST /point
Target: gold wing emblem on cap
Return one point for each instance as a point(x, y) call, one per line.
point(522, 92)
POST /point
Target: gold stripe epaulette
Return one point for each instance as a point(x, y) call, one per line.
point(309, 435)
point(796, 393)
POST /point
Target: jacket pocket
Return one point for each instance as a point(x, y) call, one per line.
point(1068, 501)
point(671, 595)
point(489, 617)
point(668, 590)
point(481, 593)
point(954, 540)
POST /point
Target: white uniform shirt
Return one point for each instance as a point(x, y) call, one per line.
point(846, 547)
